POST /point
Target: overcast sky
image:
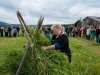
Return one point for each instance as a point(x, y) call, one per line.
point(53, 11)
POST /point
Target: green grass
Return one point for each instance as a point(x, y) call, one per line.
point(85, 54)
point(85, 57)
point(10, 44)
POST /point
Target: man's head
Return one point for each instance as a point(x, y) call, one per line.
point(57, 29)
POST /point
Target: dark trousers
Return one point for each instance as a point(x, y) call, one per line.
point(76, 34)
point(69, 56)
point(6, 34)
point(1, 33)
point(9, 34)
point(14, 34)
point(88, 37)
point(97, 39)
point(79, 34)
point(73, 34)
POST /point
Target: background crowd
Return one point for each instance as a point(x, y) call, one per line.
point(90, 33)
point(9, 31)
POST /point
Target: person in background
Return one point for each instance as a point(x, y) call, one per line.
point(79, 31)
point(73, 32)
point(67, 30)
point(84, 31)
point(14, 31)
point(71, 28)
point(76, 31)
point(47, 33)
point(9, 31)
point(6, 31)
point(92, 34)
point(2, 31)
point(61, 41)
point(88, 33)
point(97, 34)
point(18, 29)
point(22, 31)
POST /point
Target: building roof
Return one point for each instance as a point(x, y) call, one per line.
point(94, 18)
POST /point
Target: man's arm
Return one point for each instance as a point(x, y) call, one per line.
point(48, 47)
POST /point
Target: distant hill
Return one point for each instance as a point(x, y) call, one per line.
point(3, 24)
point(15, 25)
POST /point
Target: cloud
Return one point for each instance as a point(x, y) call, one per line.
point(7, 16)
point(54, 11)
point(83, 10)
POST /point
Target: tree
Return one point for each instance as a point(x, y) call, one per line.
point(78, 23)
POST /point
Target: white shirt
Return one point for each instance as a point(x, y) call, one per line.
point(88, 31)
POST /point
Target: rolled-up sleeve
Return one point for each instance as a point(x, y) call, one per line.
point(57, 46)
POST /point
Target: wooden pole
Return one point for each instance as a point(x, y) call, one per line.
point(29, 39)
point(23, 60)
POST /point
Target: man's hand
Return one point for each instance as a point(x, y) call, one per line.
point(43, 47)
point(48, 47)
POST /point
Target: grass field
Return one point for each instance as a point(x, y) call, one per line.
point(85, 54)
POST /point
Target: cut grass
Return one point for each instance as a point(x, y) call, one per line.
point(7, 44)
point(95, 47)
point(85, 54)
point(85, 58)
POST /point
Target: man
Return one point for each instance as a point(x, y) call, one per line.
point(18, 29)
point(61, 41)
point(9, 31)
point(47, 33)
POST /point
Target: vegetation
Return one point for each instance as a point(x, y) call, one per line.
point(85, 58)
point(78, 23)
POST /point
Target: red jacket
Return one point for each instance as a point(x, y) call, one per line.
point(79, 30)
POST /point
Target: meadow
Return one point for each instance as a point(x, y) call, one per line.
point(85, 55)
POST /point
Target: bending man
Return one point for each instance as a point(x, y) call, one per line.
point(61, 41)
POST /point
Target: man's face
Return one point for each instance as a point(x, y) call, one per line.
point(55, 31)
